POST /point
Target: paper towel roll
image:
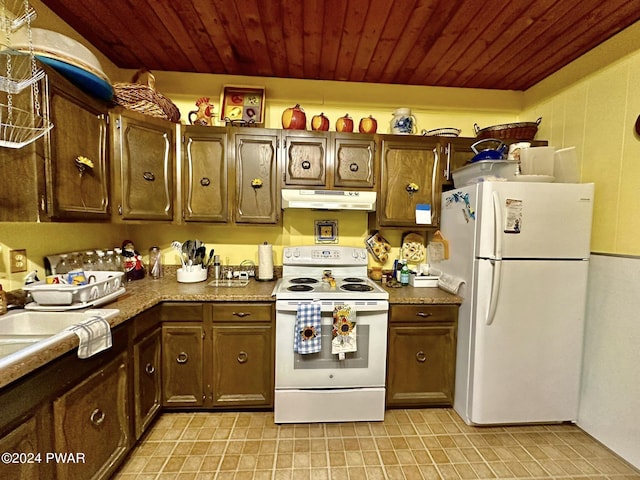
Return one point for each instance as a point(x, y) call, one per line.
point(265, 262)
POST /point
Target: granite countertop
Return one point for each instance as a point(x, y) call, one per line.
point(144, 294)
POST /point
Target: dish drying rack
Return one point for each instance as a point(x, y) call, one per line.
point(24, 90)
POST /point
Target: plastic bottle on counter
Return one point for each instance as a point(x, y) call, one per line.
point(404, 274)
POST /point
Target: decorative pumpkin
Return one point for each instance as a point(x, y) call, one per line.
point(344, 124)
point(368, 125)
point(294, 118)
point(320, 122)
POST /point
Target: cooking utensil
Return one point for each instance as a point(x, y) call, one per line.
point(178, 248)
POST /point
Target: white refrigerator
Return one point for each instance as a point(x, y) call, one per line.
point(522, 250)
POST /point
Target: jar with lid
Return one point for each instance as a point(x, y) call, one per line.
point(155, 262)
point(75, 261)
point(109, 262)
point(62, 266)
point(90, 260)
point(100, 262)
point(117, 259)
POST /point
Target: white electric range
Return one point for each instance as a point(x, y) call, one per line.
point(324, 386)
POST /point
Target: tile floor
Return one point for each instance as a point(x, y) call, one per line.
point(409, 444)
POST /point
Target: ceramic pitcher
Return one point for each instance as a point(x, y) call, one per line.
point(403, 122)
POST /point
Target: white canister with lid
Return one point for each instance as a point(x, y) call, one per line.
point(403, 122)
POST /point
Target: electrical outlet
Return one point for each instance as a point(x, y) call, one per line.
point(18, 261)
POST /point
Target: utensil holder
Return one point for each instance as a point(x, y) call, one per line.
point(197, 274)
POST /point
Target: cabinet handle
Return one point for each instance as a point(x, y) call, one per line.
point(424, 315)
point(353, 167)
point(149, 176)
point(243, 357)
point(97, 417)
point(205, 182)
point(182, 357)
point(150, 369)
point(241, 314)
point(421, 357)
point(306, 165)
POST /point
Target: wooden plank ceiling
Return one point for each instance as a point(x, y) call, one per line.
point(495, 44)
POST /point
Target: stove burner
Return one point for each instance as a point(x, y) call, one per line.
point(303, 280)
point(353, 280)
point(356, 287)
point(300, 288)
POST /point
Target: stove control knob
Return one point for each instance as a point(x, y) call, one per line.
point(296, 253)
point(355, 254)
point(363, 254)
point(287, 252)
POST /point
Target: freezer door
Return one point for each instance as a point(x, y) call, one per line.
point(534, 220)
point(525, 362)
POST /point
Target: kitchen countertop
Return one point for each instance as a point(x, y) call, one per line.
point(144, 294)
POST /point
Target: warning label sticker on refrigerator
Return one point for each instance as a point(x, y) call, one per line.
point(513, 223)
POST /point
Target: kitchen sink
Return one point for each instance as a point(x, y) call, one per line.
point(31, 323)
point(24, 333)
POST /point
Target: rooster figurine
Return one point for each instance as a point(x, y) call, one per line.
point(204, 114)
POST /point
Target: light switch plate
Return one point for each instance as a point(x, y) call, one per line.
point(18, 261)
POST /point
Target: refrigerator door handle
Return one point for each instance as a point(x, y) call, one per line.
point(496, 280)
point(497, 221)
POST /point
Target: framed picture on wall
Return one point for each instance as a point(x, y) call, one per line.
point(242, 105)
point(326, 231)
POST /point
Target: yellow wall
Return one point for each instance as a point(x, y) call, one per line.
point(597, 114)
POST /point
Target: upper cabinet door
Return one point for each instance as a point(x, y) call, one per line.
point(80, 130)
point(257, 193)
point(204, 171)
point(305, 159)
point(354, 160)
point(410, 177)
point(144, 158)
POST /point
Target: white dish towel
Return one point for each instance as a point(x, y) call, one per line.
point(94, 334)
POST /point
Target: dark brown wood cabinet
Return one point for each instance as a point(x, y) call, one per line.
point(28, 445)
point(255, 159)
point(183, 353)
point(243, 355)
point(76, 194)
point(41, 181)
point(93, 419)
point(204, 174)
point(147, 380)
point(328, 160)
point(353, 160)
point(410, 176)
point(182, 364)
point(421, 355)
point(143, 157)
point(305, 158)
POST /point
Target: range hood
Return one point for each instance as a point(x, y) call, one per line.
point(329, 199)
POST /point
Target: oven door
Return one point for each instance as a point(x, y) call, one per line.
point(362, 368)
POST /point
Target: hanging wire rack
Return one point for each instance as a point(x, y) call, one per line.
point(20, 127)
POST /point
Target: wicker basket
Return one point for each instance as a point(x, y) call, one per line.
point(145, 98)
point(512, 131)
